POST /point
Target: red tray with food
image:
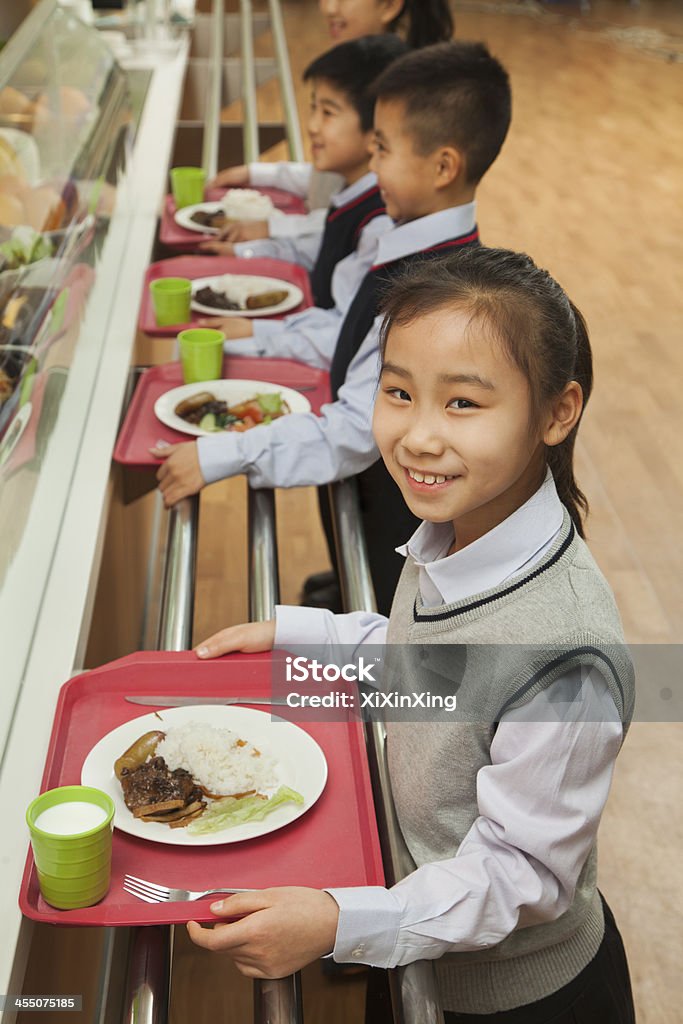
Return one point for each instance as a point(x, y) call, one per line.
point(292, 278)
point(328, 840)
point(141, 428)
point(177, 237)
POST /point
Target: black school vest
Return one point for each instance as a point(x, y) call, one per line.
point(387, 520)
point(342, 231)
point(361, 314)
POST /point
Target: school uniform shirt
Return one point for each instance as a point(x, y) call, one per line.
point(430, 911)
point(304, 181)
point(358, 212)
point(304, 449)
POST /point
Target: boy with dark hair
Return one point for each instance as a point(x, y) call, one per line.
point(340, 130)
point(429, 186)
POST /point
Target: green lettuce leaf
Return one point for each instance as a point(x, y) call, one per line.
point(231, 811)
point(270, 403)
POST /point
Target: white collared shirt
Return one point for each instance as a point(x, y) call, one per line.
point(305, 449)
point(507, 550)
point(296, 245)
point(541, 798)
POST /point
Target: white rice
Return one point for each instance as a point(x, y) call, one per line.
point(216, 761)
point(246, 204)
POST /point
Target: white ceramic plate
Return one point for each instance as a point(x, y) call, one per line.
point(183, 217)
point(302, 767)
point(247, 284)
point(230, 391)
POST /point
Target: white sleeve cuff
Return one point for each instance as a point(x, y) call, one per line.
point(219, 456)
point(367, 930)
point(300, 626)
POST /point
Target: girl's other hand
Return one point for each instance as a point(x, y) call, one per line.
point(233, 327)
point(250, 637)
point(279, 931)
point(231, 177)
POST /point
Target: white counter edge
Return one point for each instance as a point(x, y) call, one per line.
point(67, 593)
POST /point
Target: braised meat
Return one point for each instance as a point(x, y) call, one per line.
point(151, 789)
point(210, 218)
point(219, 300)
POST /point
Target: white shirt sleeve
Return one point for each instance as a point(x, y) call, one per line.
point(325, 631)
point(540, 802)
point(309, 337)
point(288, 175)
point(285, 225)
point(303, 449)
point(301, 249)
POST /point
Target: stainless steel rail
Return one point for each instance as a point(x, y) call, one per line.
point(250, 108)
point(414, 995)
point(275, 1001)
point(212, 111)
point(290, 109)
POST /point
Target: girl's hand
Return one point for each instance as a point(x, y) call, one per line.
point(245, 231)
point(231, 177)
point(180, 475)
point(233, 327)
point(250, 637)
point(217, 248)
point(279, 931)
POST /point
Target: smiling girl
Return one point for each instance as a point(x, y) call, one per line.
point(499, 807)
point(422, 22)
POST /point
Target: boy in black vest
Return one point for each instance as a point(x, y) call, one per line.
point(441, 116)
point(340, 131)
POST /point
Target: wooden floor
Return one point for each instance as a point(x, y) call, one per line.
point(590, 183)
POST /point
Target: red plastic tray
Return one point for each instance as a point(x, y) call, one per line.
point(175, 237)
point(141, 429)
point(207, 266)
point(334, 844)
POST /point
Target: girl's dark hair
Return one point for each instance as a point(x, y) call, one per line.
point(425, 22)
point(527, 311)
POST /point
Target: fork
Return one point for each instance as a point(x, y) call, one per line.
point(150, 892)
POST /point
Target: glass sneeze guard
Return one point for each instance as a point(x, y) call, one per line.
point(65, 120)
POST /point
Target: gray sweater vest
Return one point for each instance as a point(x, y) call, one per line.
point(508, 644)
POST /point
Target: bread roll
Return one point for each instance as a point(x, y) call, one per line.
point(43, 209)
point(11, 211)
point(14, 102)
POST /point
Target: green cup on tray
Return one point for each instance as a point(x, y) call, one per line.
point(187, 184)
point(71, 835)
point(171, 298)
point(201, 354)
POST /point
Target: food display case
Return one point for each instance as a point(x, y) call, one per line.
point(84, 152)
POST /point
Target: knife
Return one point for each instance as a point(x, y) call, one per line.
point(182, 702)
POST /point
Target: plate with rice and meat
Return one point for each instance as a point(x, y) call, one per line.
point(204, 776)
point(244, 295)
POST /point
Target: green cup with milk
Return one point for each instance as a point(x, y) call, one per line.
point(71, 836)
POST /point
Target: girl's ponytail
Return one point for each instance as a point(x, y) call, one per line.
point(426, 21)
point(561, 456)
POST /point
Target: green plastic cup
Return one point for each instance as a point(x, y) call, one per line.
point(201, 354)
point(171, 297)
point(73, 861)
point(188, 186)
